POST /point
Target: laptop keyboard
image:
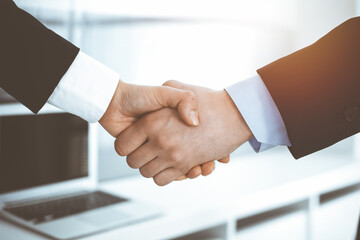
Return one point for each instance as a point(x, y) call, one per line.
point(39, 212)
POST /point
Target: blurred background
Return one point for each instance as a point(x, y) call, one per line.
point(215, 44)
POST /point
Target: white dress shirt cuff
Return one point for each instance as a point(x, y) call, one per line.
point(86, 89)
point(260, 113)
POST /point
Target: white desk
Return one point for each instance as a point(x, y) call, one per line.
point(231, 193)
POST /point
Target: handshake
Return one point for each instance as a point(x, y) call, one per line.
point(174, 131)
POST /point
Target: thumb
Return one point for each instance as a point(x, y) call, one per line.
point(183, 100)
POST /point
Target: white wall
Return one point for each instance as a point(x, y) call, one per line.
point(317, 17)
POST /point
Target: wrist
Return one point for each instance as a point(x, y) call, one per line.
point(238, 122)
point(114, 108)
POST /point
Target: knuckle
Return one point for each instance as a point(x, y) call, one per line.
point(145, 173)
point(160, 181)
point(132, 163)
point(152, 123)
point(156, 125)
point(189, 95)
point(176, 157)
point(163, 141)
point(120, 149)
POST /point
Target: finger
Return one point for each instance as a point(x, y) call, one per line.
point(225, 159)
point(183, 100)
point(142, 155)
point(130, 139)
point(176, 84)
point(182, 177)
point(167, 176)
point(154, 167)
point(207, 168)
point(194, 172)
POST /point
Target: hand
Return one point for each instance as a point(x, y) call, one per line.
point(164, 148)
point(132, 101)
point(203, 169)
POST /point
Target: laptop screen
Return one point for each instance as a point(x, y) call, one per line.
point(41, 149)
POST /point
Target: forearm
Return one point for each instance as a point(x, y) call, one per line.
point(257, 107)
point(86, 89)
point(316, 89)
point(33, 59)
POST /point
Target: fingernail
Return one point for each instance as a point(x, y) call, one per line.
point(194, 118)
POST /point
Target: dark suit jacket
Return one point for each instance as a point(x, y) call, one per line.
point(33, 59)
point(317, 89)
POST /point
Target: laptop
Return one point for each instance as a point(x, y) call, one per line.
point(48, 183)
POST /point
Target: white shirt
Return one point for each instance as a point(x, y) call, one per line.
point(86, 89)
point(259, 111)
point(88, 86)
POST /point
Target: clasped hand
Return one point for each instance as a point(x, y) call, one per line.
point(174, 131)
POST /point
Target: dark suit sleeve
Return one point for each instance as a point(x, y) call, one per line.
point(317, 89)
point(33, 59)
